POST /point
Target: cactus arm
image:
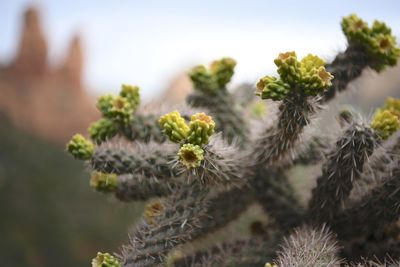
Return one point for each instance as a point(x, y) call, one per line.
point(278, 142)
point(377, 208)
point(309, 247)
point(298, 88)
point(368, 46)
point(147, 159)
point(346, 67)
point(278, 199)
point(138, 188)
point(186, 216)
point(150, 243)
point(344, 165)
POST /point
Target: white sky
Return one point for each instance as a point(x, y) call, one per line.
point(148, 42)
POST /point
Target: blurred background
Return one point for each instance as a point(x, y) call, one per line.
point(56, 57)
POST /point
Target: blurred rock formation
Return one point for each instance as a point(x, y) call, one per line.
point(48, 102)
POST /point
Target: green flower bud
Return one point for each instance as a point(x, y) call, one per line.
point(379, 27)
point(311, 62)
point(174, 126)
point(105, 104)
point(314, 77)
point(203, 80)
point(152, 210)
point(354, 27)
point(102, 130)
point(383, 49)
point(131, 93)
point(270, 265)
point(201, 128)
point(80, 148)
point(393, 105)
point(316, 81)
point(223, 70)
point(385, 123)
point(288, 67)
point(191, 155)
point(308, 76)
point(104, 182)
point(121, 110)
point(272, 88)
point(105, 260)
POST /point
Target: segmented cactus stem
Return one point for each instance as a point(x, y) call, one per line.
point(343, 166)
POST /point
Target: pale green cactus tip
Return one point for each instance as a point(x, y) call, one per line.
point(211, 79)
point(117, 108)
point(103, 182)
point(105, 103)
point(378, 40)
point(385, 123)
point(105, 260)
point(174, 126)
point(203, 80)
point(393, 105)
point(201, 127)
point(354, 27)
point(272, 88)
point(223, 70)
point(80, 147)
point(102, 130)
point(131, 93)
point(288, 67)
point(270, 265)
point(121, 110)
point(191, 155)
point(307, 76)
point(152, 210)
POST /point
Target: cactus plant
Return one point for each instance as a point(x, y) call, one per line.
point(200, 173)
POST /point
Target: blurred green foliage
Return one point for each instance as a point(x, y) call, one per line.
point(49, 214)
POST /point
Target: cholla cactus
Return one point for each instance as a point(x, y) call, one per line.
point(200, 173)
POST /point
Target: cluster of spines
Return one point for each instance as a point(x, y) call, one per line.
point(165, 227)
point(344, 165)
